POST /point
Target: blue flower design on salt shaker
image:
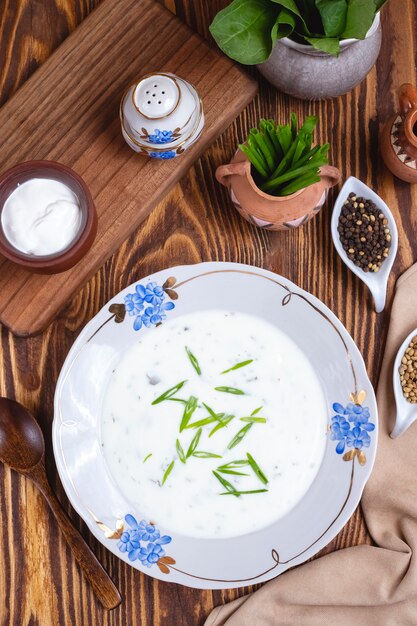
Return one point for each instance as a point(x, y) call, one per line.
point(161, 110)
point(161, 136)
point(168, 154)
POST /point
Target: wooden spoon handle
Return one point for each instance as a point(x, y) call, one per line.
point(104, 588)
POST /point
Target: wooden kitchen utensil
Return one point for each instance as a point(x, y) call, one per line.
point(22, 447)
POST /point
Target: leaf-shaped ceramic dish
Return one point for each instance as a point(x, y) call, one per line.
point(144, 541)
point(375, 281)
point(406, 411)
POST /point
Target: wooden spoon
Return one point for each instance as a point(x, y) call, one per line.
point(22, 447)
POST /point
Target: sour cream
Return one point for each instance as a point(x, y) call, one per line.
point(41, 217)
point(139, 438)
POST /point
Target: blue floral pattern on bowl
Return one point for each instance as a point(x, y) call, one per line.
point(350, 427)
point(168, 154)
point(147, 304)
point(151, 315)
point(142, 541)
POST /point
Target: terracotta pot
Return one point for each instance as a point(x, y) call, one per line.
point(272, 212)
point(61, 261)
point(398, 143)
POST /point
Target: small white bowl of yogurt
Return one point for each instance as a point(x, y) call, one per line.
point(48, 220)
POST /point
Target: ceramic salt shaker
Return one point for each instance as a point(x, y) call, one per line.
point(161, 115)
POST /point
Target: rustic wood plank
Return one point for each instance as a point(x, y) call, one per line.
point(39, 582)
point(69, 111)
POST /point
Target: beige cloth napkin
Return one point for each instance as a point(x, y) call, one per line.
point(362, 585)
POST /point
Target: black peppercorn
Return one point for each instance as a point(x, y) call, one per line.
point(364, 233)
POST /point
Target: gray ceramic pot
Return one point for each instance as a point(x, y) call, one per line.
point(305, 72)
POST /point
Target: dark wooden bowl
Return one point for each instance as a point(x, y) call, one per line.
point(63, 260)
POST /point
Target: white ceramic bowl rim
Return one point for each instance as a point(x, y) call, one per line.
point(346, 466)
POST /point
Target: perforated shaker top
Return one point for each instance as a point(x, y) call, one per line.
point(156, 96)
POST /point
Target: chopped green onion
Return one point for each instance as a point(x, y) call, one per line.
point(224, 421)
point(239, 436)
point(241, 493)
point(193, 361)
point(200, 454)
point(237, 392)
point(279, 152)
point(170, 392)
point(294, 125)
point(189, 409)
point(306, 157)
point(194, 443)
point(300, 183)
point(284, 138)
point(228, 486)
point(273, 183)
point(180, 452)
point(270, 128)
point(147, 457)
point(217, 416)
point(233, 464)
point(168, 471)
point(230, 471)
point(263, 125)
point(237, 366)
point(263, 147)
point(254, 420)
point(285, 164)
point(203, 422)
point(257, 469)
point(256, 411)
point(256, 160)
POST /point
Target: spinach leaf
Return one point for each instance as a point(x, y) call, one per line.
point(311, 17)
point(359, 17)
point(333, 15)
point(302, 23)
point(290, 5)
point(247, 30)
point(284, 26)
point(243, 30)
point(330, 44)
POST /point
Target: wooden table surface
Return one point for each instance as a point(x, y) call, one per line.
point(40, 584)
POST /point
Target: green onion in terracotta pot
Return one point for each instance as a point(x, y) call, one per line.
point(283, 156)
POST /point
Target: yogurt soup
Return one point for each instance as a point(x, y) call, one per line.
point(214, 424)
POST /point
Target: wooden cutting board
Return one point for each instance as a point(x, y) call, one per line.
point(69, 111)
